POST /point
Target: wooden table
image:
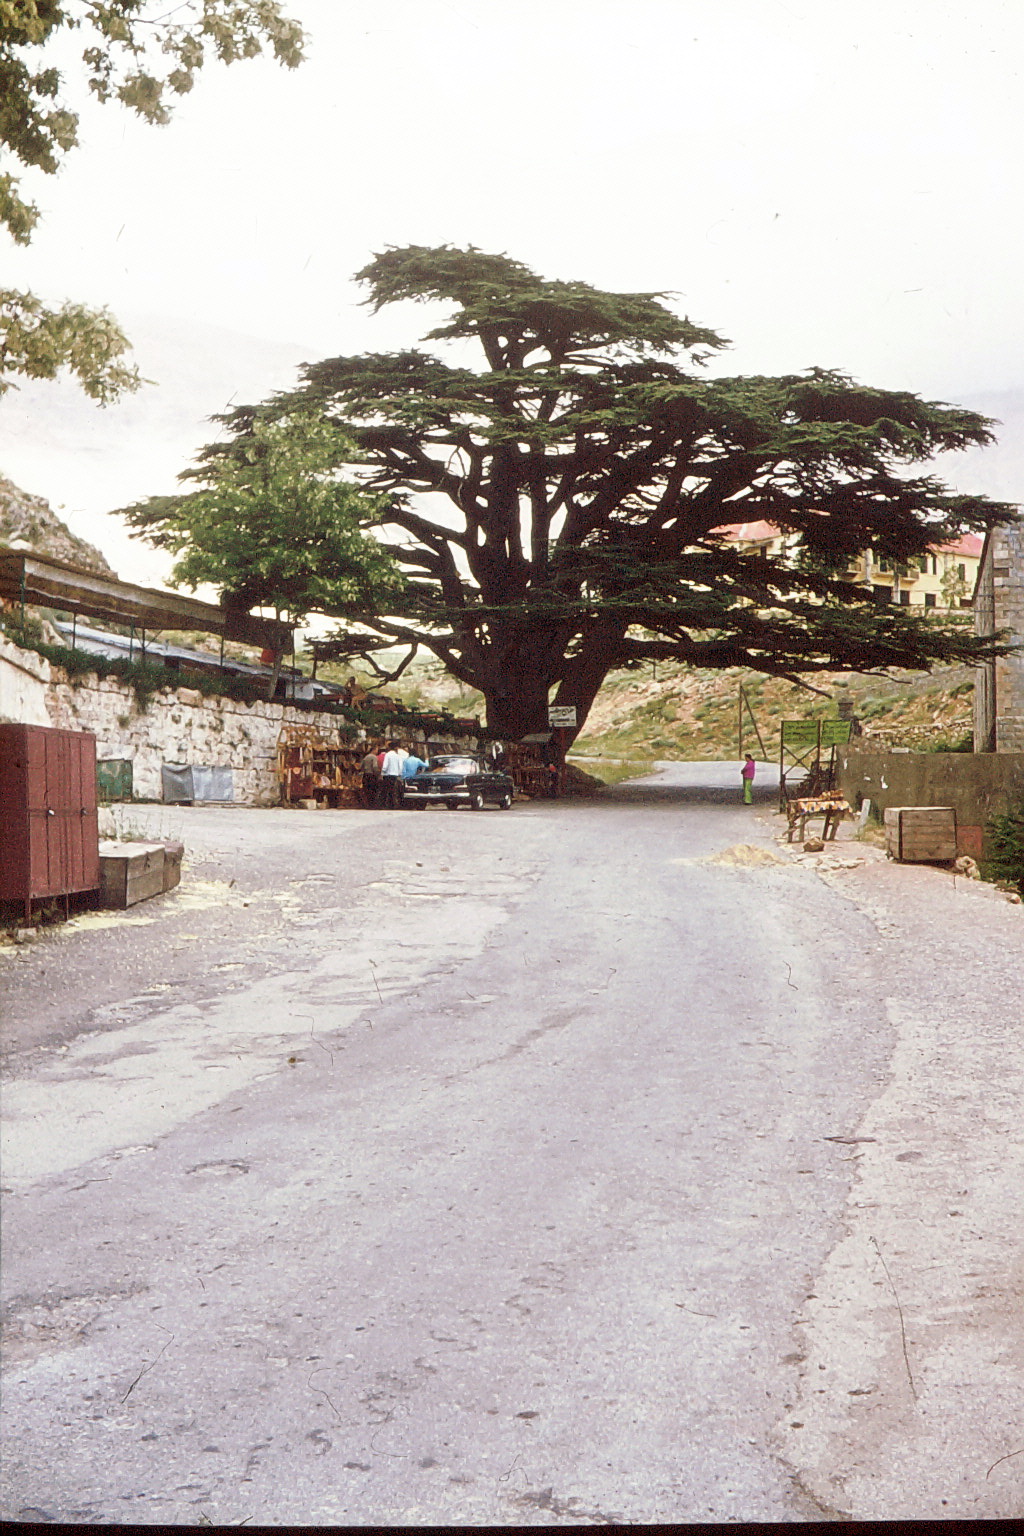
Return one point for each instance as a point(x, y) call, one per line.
point(831, 807)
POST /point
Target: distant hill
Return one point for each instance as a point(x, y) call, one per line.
point(692, 714)
point(29, 522)
point(677, 712)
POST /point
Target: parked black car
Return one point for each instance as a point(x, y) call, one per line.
point(458, 780)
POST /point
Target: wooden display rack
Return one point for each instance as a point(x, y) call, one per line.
point(310, 768)
point(530, 773)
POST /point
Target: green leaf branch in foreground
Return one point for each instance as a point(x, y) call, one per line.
point(39, 343)
point(139, 52)
point(273, 524)
point(142, 53)
point(558, 509)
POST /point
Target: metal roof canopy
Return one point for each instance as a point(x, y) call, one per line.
point(26, 577)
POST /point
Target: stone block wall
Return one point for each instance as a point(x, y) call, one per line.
point(179, 725)
point(999, 605)
point(24, 685)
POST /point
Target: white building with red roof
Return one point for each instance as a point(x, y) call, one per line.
point(944, 578)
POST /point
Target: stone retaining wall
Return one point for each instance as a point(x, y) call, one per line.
point(999, 605)
point(178, 725)
point(977, 786)
point(24, 685)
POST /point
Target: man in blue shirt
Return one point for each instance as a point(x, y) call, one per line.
point(412, 766)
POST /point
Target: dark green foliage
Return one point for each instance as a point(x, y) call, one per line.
point(24, 629)
point(144, 678)
point(557, 509)
point(274, 525)
point(513, 313)
point(961, 743)
point(1004, 842)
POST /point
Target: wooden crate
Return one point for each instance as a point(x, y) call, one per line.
point(920, 834)
point(130, 872)
point(173, 854)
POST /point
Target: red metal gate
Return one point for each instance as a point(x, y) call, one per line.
point(49, 834)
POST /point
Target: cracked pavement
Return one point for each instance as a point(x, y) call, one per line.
point(533, 1167)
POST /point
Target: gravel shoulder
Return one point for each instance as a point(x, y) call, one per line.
point(911, 1402)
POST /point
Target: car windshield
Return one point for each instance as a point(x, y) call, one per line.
point(455, 764)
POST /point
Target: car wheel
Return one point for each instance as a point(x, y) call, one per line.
point(505, 802)
point(452, 805)
point(476, 800)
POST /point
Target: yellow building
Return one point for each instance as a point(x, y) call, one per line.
point(943, 579)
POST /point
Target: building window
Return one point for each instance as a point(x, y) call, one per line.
point(904, 598)
point(882, 595)
point(929, 599)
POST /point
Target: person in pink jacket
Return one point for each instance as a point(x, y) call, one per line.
point(747, 775)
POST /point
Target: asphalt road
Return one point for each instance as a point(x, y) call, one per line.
point(434, 1169)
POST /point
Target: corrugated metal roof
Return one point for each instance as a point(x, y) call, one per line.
point(101, 642)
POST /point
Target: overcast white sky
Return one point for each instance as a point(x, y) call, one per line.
point(823, 182)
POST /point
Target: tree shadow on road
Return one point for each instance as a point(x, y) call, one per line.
point(683, 794)
point(645, 794)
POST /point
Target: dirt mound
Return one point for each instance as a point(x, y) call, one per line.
point(745, 856)
point(577, 782)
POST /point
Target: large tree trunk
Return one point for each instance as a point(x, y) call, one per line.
point(585, 674)
point(517, 704)
point(522, 663)
point(524, 671)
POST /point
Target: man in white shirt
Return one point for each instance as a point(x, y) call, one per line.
point(391, 777)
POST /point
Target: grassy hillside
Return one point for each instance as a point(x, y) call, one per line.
point(683, 713)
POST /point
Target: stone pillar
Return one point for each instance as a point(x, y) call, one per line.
point(999, 605)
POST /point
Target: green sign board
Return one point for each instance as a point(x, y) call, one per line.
point(835, 733)
point(800, 733)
